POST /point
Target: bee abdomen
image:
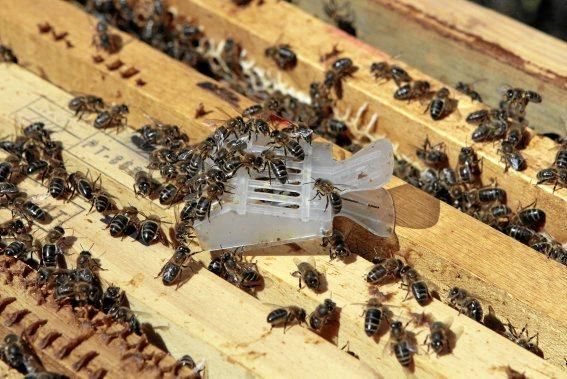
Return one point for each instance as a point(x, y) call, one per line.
point(437, 109)
point(403, 353)
point(336, 202)
point(420, 292)
point(372, 321)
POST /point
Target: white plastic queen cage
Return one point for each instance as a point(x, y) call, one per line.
point(264, 212)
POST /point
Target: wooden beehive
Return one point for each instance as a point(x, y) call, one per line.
point(218, 322)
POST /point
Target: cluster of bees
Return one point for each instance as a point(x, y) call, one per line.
point(18, 353)
point(33, 154)
point(462, 188)
point(506, 124)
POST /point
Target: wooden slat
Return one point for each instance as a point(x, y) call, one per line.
point(455, 245)
point(470, 43)
point(407, 125)
point(216, 313)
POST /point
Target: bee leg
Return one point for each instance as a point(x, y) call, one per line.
point(327, 205)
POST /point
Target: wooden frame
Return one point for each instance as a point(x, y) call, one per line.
point(432, 237)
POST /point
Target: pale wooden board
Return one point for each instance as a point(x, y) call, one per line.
point(148, 294)
point(447, 254)
point(470, 43)
point(407, 125)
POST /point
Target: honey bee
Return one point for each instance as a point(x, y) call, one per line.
point(283, 141)
point(172, 271)
point(105, 40)
point(150, 231)
point(439, 338)
point(51, 251)
point(22, 247)
point(321, 315)
point(275, 165)
point(283, 55)
point(419, 89)
point(440, 106)
point(115, 117)
point(14, 227)
point(213, 192)
point(384, 268)
point(336, 245)
point(418, 287)
point(383, 70)
point(102, 202)
point(123, 221)
point(513, 335)
point(511, 157)
point(144, 184)
point(86, 104)
point(401, 344)
point(239, 272)
point(553, 175)
point(86, 260)
point(18, 353)
point(9, 167)
point(533, 218)
point(485, 115)
point(432, 155)
point(78, 293)
point(374, 313)
point(29, 210)
point(81, 184)
point(520, 233)
point(286, 315)
point(307, 273)
point(468, 166)
point(341, 69)
point(112, 297)
point(125, 315)
point(468, 90)
point(492, 322)
point(299, 131)
point(461, 300)
point(325, 188)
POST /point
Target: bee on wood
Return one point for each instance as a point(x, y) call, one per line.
point(511, 157)
point(336, 245)
point(125, 315)
point(465, 303)
point(418, 287)
point(86, 104)
point(419, 89)
point(181, 232)
point(22, 247)
point(468, 90)
point(77, 293)
point(105, 40)
point(18, 353)
point(374, 313)
point(115, 117)
point(384, 268)
point(438, 338)
point(274, 165)
point(325, 188)
point(7, 55)
point(29, 210)
point(486, 115)
point(85, 260)
point(492, 322)
point(81, 184)
point(9, 167)
point(51, 251)
point(484, 195)
point(239, 272)
point(9, 191)
point(283, 141)
point(385, 71)
point(230, 55)
point(468, 167)
point(171, 193)
point(112, 297)
point(552, 175)
point(342, 15)
point(401, 344)
point(432, 155)
point(440, 106)
point(150, 231)
point(307, 273)
point(283, 55)
point(513, 335)
point(124, 221)
point(520, 233)
point(14, 227)
point(286, 315)
point(102, 202)
point(172, 271)
point(321, 315)
point(144, 184)
point(341, 69)
point(533, 218)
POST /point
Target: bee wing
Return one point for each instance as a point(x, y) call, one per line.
point(39, 197)
point(213, 122)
